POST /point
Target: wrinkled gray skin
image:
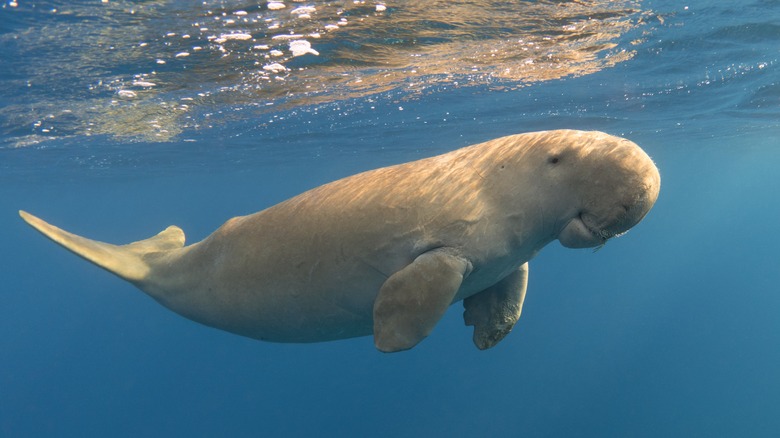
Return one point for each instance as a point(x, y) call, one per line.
point(388, 250)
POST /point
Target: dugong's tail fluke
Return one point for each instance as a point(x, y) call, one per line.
point(126, 261)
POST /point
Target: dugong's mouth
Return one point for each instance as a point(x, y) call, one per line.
point(582, 232)
point(600, 232)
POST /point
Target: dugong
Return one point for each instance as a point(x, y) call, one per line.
point(385, 252)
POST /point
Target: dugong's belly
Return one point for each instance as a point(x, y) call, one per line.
point(289, 288)
point(309, 290)
point(302, 306)
point(304, 302)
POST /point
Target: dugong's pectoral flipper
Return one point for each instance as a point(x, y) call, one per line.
point(414, 299)
point(126, 261)
point(494, 311)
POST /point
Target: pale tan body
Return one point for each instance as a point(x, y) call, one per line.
point(388, 250)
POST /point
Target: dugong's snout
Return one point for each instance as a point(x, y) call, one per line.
point(591, 229)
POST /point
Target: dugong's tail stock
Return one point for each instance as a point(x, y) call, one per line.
point(127, 261)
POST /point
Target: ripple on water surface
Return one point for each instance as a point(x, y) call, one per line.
point(154, 69)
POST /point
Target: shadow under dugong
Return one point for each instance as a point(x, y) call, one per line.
point(388, 250)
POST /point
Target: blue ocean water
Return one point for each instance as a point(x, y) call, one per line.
point(671, 330)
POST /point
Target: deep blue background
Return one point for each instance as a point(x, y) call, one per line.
point(672, 330)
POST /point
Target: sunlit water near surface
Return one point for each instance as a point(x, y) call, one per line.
point(120, 118)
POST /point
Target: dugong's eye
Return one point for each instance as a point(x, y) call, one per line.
point(554, 159)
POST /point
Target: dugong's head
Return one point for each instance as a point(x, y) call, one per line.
point(596, 186)
point(610, 183)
